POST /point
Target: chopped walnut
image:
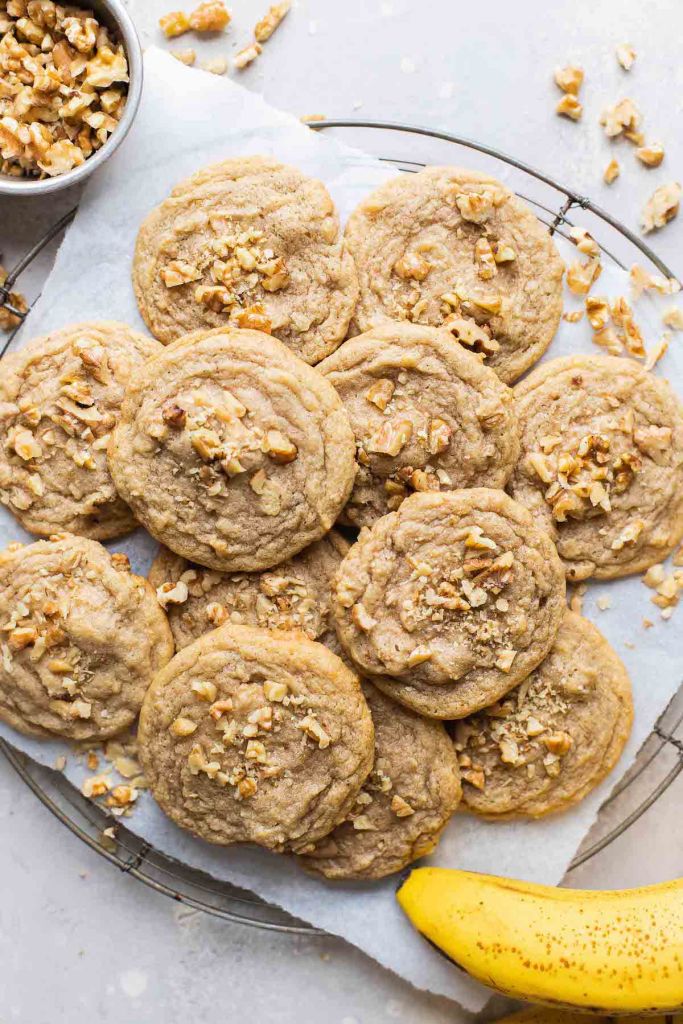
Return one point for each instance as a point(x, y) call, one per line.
point(205, 690)
point(673, 317)
point(569, 78)
point(629, 535)
point(314, 730)
point(584, 241)
point(626, 55)
point(401, 807)
point(439, 436)
point(52, 66)
point(572, 316)
point(651, 155)
point(178, 273)
point(211, 16)
point(611, 172)
point(569, 106)
point(173, 24)
point(656, 351)
point(412, 266)
point(120, 561)
point(642, 280)
point(278, 447)
point(182, 727)
point(622, 118)
point(247, 55)
point(186, 57)
point(215, 65)
point(582, 276)
point(558, 743)
point(254, 318)
point(264, 28)
point(274, 691)
point(477, 207)
point(380, 393)
point(391, 438)
point(172, 593)
point(661, 207)
point(362, 618)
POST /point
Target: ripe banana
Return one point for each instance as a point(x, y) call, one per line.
point(605, 952)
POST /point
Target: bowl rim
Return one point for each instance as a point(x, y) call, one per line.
point(10, 186)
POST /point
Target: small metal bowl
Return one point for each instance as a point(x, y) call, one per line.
point(113, 14)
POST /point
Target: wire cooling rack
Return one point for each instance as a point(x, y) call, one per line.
point(660, 760)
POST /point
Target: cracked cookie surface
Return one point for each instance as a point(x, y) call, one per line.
point(252, 735)
point(549, 742)
point(426, 416)
point(232, 451)
point(601, 463)
point(82, 637)
point(450, 601)
point(60, 398)
point(455, 248)
point(248, 242)
point(405, 803)
point(292, 595)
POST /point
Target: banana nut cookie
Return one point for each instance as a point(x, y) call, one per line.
point(601, 465)
point(293, 595)
point(232, 451)
point(403, 807)
point(80, 639)
point(455, 248)
point(252, 243)
point(450, 601)
point(60, 397)
point(253, 735)
point(554, 738)
point(426, 414)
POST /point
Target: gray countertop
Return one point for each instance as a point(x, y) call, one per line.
point(79, 941)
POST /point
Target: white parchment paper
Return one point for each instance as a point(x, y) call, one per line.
point(188, 119)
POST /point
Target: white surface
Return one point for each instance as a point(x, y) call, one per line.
point(501, 93)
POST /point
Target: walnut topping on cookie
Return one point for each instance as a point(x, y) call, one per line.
point(80, 640)
point(293, 596)
point(240, 726)
point(554, 738)
point(454, 248)
point(426, 416)
point(251, 243)
point(60, 398)
point(602, 463)
point(449, 601)
point(233, 452)
point(404, 804)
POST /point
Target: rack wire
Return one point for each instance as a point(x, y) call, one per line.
point(660, 760)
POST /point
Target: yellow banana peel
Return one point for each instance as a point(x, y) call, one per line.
point(614, 952)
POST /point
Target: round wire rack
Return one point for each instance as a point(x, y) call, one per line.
point(660, 759)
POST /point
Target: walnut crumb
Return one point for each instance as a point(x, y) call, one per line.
point(401, 807)
point(569, 106)
point(186, 57)
point(211, 16)
point(661, 207)
point(215, 66)
point(611, 172)
point(264, 28)
point(569, 78)
point(626, 55)
point(247, 55)
point(651, 155)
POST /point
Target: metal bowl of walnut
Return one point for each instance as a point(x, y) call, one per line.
point(70, 86)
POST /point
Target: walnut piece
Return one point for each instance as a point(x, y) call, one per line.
point(569, 78)
point(626, 55)
point(211, 16)
point(174, 24)
point(651, 155)
point(611, 172)
point(247, 55)
point(264, 28)
point(569, 106)
point(621, 119)
point(661, 207)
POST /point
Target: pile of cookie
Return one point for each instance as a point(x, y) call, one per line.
point(334, 694)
